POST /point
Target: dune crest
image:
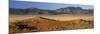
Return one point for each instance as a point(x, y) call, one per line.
point(39, 23)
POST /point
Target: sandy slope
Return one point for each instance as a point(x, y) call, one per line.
point(38, 23)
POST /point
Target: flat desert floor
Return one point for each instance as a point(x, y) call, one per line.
point(64, 17)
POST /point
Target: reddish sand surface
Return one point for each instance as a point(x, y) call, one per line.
point(38, 24)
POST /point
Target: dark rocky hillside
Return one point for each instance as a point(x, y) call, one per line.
point(66, 10)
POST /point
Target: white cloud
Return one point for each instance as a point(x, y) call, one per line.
point(85, 2)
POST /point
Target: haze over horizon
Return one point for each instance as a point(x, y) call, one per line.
point(43, 5)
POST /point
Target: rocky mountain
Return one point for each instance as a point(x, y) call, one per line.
point(66, 10)
point(75, 10)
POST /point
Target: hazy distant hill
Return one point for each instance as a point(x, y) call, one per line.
point(75, 10)
point(66, 10)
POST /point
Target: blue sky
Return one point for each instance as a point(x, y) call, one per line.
point(44, 5)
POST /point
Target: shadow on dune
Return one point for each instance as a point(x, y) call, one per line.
point(38, 24)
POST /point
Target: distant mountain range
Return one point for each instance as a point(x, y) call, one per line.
point(66, 10)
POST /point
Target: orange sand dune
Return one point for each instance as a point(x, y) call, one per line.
point(44, 24)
